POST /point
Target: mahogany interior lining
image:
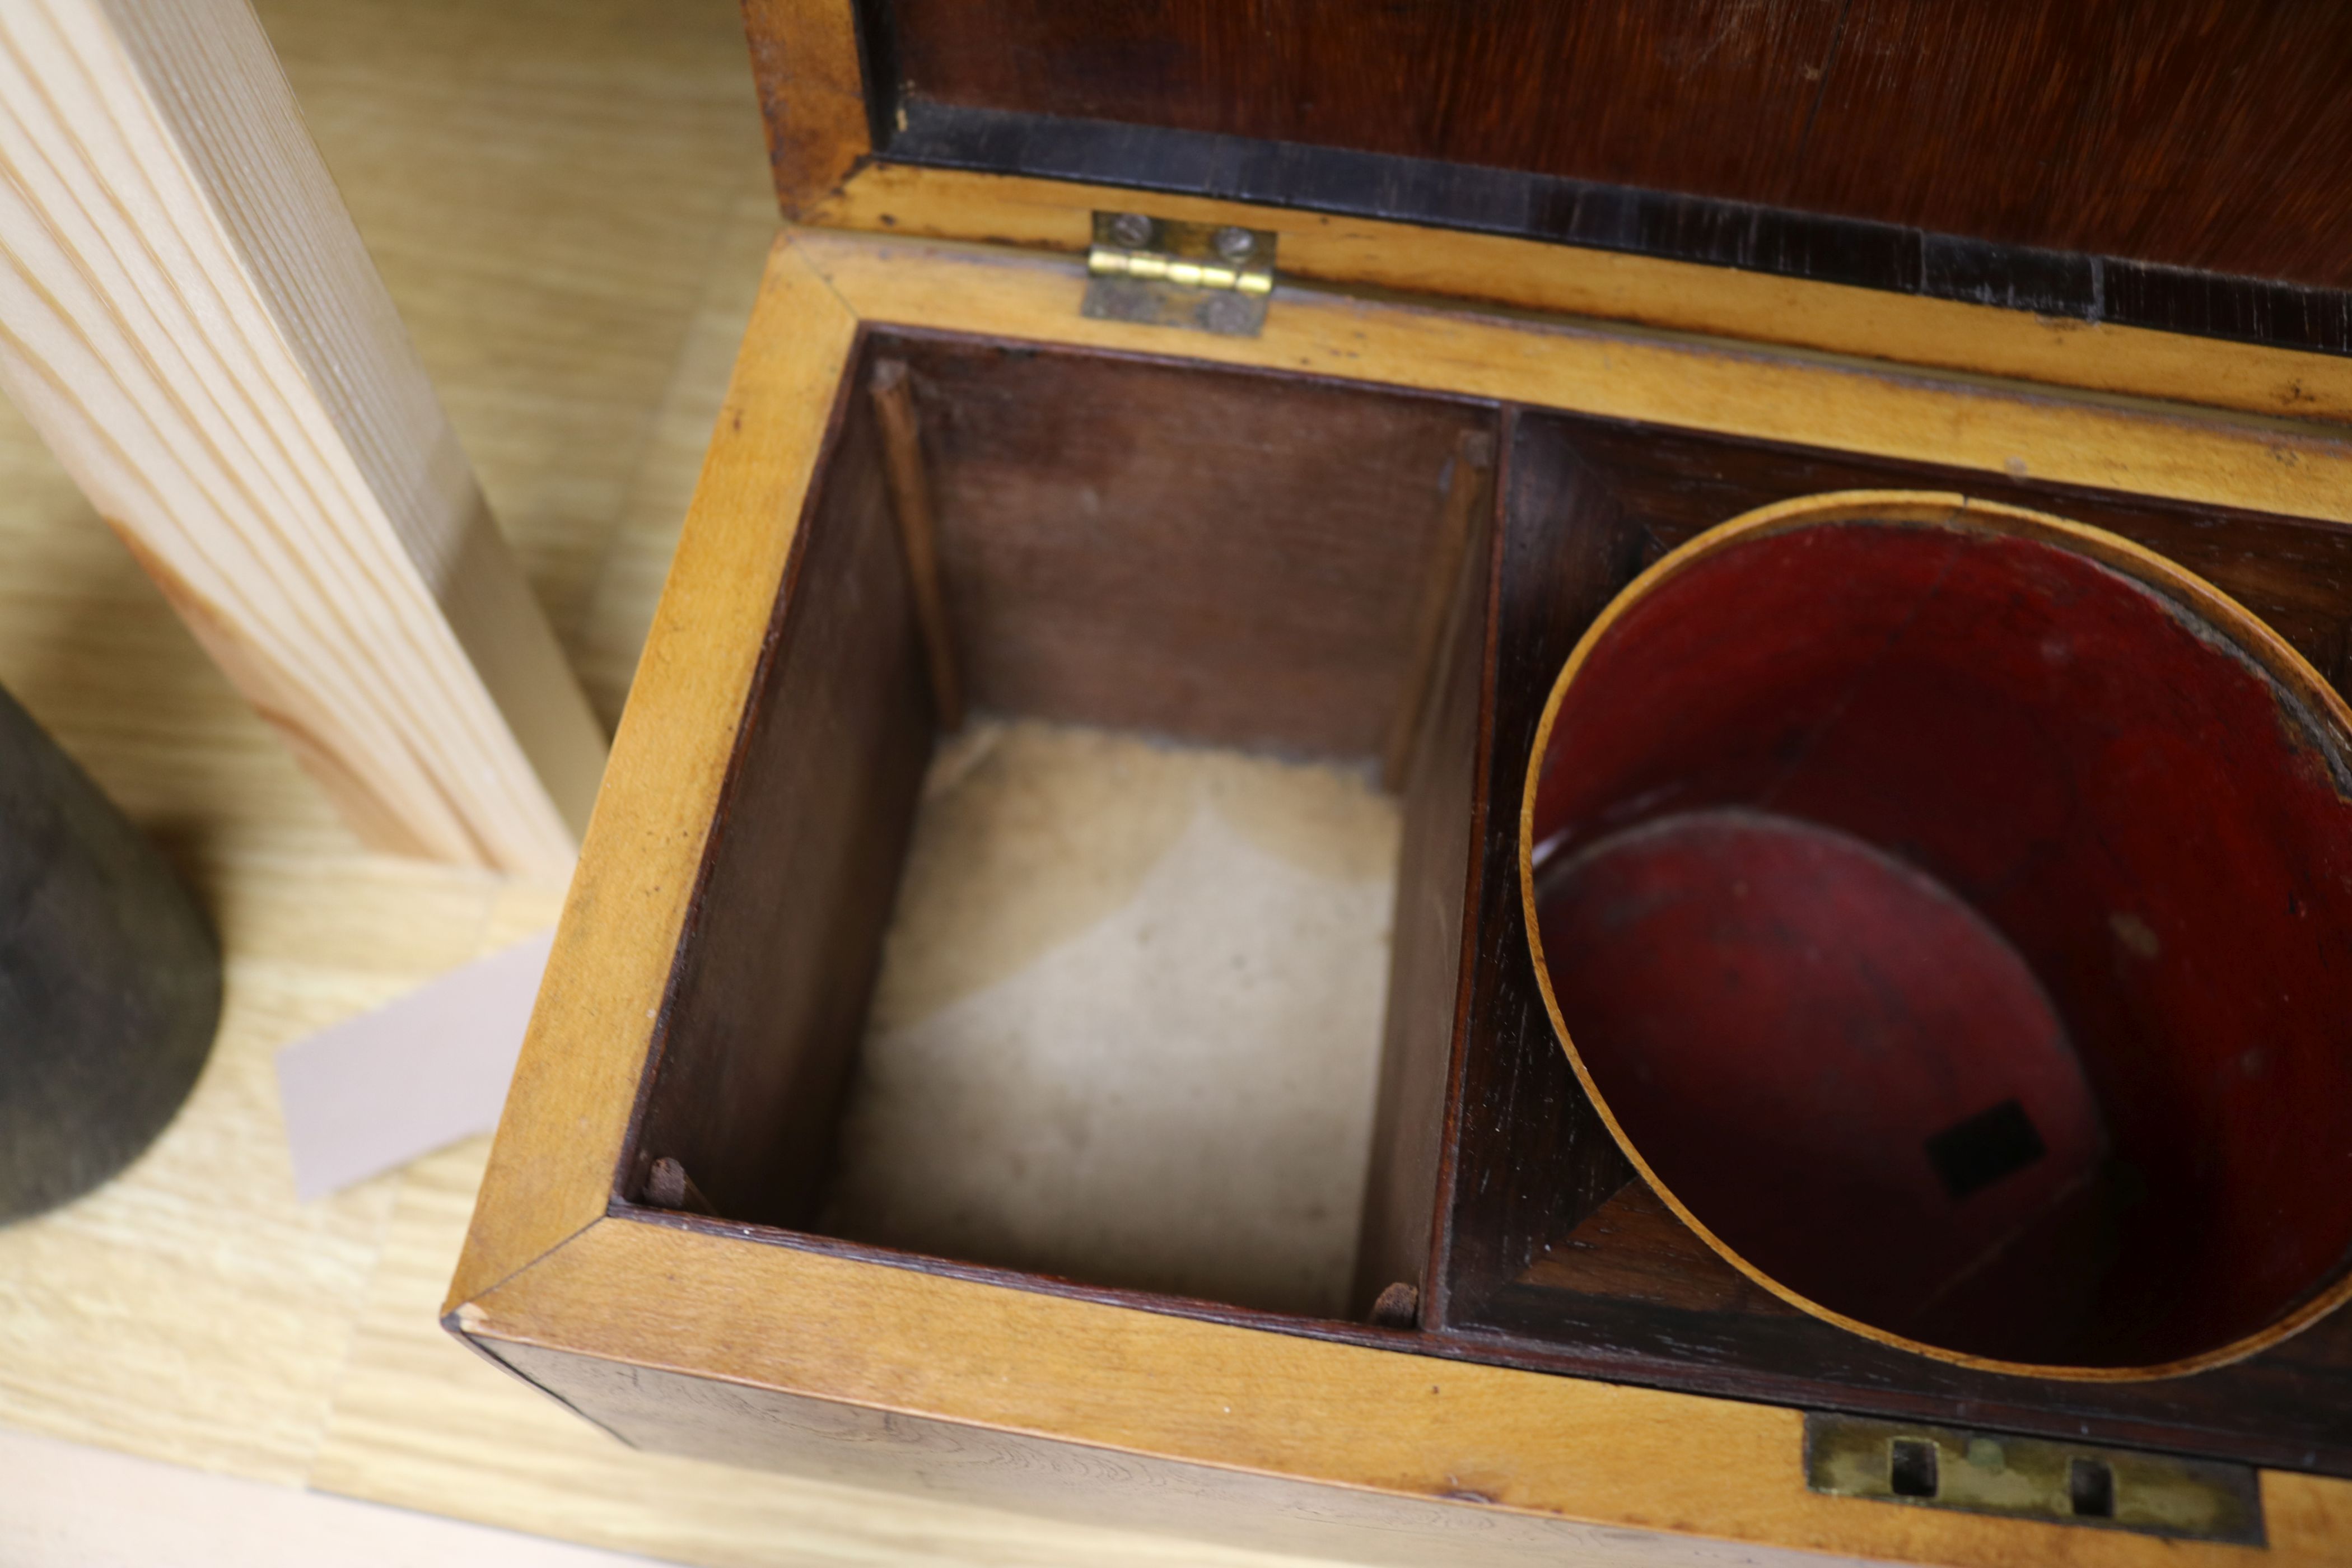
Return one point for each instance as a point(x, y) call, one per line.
point(1226, 559)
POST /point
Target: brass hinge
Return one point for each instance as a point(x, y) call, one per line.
point(1164, 272)
point(2033, 1477)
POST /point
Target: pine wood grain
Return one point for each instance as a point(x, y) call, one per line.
point(193, 324)
point(64, 1508)
point(569, 202)
point(191, 1310)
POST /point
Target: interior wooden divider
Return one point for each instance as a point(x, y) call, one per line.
point(1431, 930)
point(768, 996)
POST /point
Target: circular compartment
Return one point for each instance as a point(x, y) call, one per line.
point(1949, 910)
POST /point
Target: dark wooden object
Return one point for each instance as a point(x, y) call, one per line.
point(1550, 1254)
point(110, 979)
point(1521, 1147)
point(1071, 488)
point(911, 501)
point(2190, 134)
point(1118, 550)
point(2165, 166)
point(1441, 591)
point(770, 996)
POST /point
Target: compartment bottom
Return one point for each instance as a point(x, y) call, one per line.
point(1128, 1026)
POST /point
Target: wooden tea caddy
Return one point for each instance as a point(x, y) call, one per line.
point(1367, 510)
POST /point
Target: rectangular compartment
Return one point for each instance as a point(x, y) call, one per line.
point(1167, 556)
point(1237, 560)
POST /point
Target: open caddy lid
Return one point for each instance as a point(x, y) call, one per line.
point(2174, 170)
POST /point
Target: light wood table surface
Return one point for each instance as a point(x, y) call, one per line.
point(570, 203)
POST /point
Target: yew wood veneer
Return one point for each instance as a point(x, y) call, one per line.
point(1408, 494)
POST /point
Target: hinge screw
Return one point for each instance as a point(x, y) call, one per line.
point(1132, 230)
point(1233, 244)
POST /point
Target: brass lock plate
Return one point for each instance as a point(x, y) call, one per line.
point(2033, 1478)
